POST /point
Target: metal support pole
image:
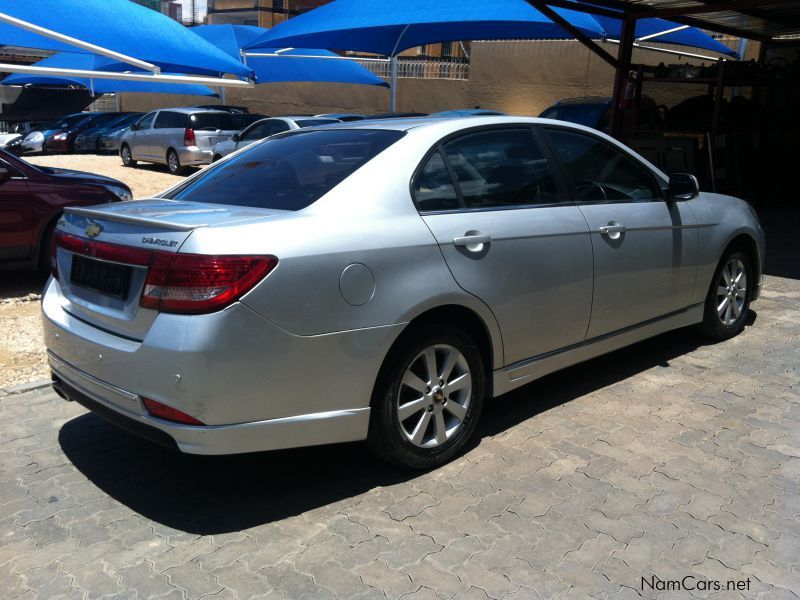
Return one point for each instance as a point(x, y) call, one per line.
point(88, 74)
point(622, 77)
point(93, 48)
point(393, 84)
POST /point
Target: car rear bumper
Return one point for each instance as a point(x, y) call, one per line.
point(193, 156)
point(104, 400)
point(255, 385)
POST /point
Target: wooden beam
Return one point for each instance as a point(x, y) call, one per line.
point(577, 33)
point(621, 77)
point(703, 8)
point(585, 8)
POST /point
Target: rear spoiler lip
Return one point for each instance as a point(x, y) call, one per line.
point(109, 216)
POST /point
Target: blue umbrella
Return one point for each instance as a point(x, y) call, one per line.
point(390, 26)
point(678, 34)
point(297, 64)
point(120, 26)
point(91, 62)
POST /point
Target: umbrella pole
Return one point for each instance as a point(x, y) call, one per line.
point(393, 83)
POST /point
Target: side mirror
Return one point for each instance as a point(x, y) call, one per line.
point(4, 175)
point(236, 137)
point(135, 127)
point(683, 186)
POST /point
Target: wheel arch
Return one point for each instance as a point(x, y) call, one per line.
point(746, 243)
point(465, 319)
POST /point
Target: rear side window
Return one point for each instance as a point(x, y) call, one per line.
point(170, 120)
point(288, 172)
point(601, 173)
point(212, 121)
point(493, 169)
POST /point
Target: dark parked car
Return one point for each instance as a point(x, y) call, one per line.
point(31, 201)
point(88, 140)
point(63, 140)
point(595, 112)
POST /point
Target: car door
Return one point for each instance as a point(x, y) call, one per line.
point(139, 139)
point(645, 247)
point(19, 215)
point(258, 131)
point(510, 235)
point(168, 132)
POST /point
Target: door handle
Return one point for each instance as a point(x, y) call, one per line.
point(613, 230)
point(473, 242)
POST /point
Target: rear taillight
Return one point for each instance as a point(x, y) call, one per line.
point(162, 411)
point(196, 283)
point(181, 283)
point(188, 137)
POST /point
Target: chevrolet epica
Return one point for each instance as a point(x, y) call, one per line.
point(381, 280)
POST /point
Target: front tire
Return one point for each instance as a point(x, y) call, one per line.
point(428, 398)
point(729, 295)
point(127, 156)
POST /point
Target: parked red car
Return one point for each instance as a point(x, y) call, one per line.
point(31, 200)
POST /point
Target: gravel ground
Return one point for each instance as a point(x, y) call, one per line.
point(145, 180)
point(22, 351)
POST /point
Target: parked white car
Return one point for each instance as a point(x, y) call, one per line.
point(265, 128)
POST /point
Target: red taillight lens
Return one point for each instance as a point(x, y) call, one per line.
point(188, 137)
point(181, 283)
point(162, 411)
point(195, 283)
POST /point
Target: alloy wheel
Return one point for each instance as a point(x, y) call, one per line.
point(434, 396)
point(731, 292)
point(174, 165)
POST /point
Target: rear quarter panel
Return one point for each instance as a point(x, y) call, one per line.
point(369, 219)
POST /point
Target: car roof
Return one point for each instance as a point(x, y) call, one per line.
point(584, 100)
point(193, 110)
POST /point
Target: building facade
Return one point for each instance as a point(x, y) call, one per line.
point(173, 9)
point(263, 13)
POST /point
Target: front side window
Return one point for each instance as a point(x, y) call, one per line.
point(600, 173)
point(288, 172)
point(500, 168)
point(256, 132)
point(146, 121)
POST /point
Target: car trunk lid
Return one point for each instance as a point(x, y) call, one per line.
point(100, 250)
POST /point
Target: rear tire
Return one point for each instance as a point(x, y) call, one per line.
point(45, 249)
point(174, 163)
point(728, 298)
point(421, 419)
point(127, 156)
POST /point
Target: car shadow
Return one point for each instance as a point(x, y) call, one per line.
point(212, 495)
point(17, 284)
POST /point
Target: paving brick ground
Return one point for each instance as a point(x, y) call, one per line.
point(672, 458)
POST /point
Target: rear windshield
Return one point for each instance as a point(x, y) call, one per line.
point(314, 122)
point(290, 171)
point(213, 121)
point(242, 120)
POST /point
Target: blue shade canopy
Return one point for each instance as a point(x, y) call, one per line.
point(691, 37)
point(390, 26)
point(121, 26)
point(69, 60)
point(277, 69)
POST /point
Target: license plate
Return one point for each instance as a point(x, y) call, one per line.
point(105, 277)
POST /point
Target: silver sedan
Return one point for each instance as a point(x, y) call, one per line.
point(380, 281)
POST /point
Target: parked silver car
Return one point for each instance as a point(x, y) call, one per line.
point(265, 128)
point(177, 137)
point(381, 280)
